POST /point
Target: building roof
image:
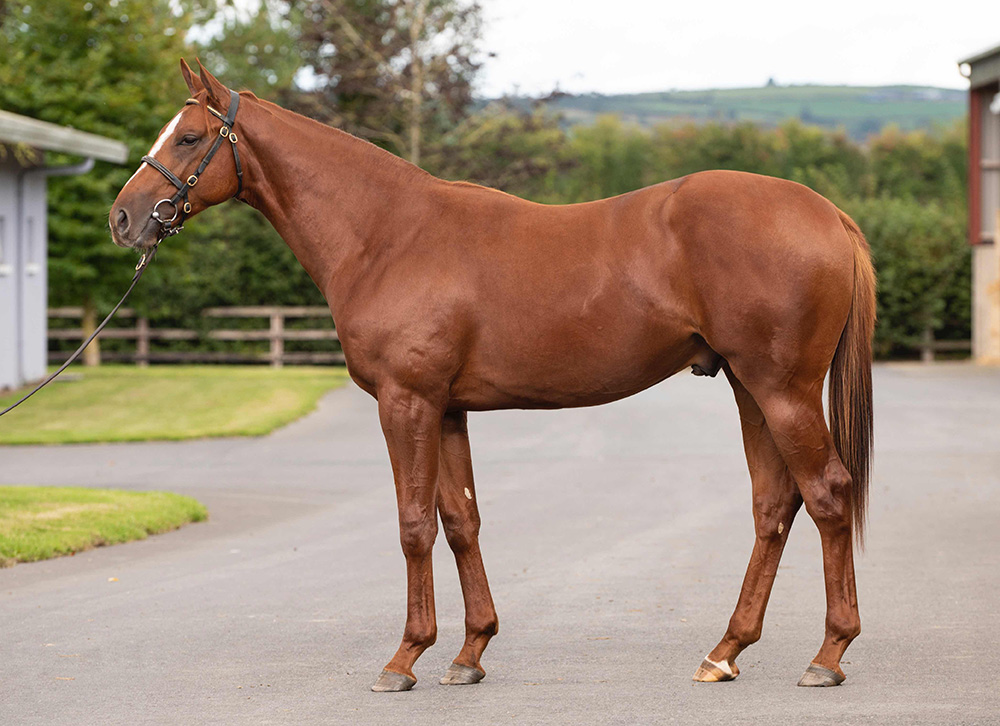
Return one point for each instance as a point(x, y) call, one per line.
point(985, 67)
point(18, 129)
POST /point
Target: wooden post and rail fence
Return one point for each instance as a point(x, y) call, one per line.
point(928, 347)
point(276, 335)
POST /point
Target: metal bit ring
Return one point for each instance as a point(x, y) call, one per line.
point(156, 215)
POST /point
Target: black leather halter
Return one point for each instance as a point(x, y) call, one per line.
point(168, 226)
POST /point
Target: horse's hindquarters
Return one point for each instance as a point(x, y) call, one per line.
point(773, 272)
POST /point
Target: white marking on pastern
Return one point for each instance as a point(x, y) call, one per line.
point(723, 666)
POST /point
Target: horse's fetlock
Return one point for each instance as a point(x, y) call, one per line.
point(487, 627)
point(422, 638)
point(742, 635)
point(844, 628)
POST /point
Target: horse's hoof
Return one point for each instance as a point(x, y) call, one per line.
point(818, 676)
point(460, 675)
point(712, 672)
point(392, 681)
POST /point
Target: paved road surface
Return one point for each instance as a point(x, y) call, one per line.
point(615, 539)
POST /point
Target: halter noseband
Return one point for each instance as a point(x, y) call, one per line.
point(167, 226)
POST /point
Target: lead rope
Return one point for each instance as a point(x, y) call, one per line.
point(144, 261)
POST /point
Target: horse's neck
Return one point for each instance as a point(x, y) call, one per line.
point(326, 192)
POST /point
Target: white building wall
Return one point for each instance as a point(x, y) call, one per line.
point(34, 279)
point(9, 356)
point(23, 277)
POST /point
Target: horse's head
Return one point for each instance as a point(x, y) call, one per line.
point(189, 168)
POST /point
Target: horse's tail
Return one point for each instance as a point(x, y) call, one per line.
point(851, 380)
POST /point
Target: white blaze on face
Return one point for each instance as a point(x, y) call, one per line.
point(167, 133)
point(163, 138)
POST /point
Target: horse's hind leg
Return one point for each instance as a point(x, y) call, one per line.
point(794, 414)
point(460, 516)
point(775, 503)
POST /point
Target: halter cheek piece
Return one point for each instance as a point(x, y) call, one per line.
point(167, 226)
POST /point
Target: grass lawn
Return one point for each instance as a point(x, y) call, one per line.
point(125, 403)
point(37, 523)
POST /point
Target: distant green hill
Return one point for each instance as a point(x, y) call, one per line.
point(859, 110)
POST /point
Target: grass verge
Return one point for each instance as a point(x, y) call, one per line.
point(125, 403)
point(37, 523)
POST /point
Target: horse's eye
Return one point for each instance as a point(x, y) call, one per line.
point(188, 140)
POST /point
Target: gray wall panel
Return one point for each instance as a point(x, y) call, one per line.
point(34, 282)
point(9, 374)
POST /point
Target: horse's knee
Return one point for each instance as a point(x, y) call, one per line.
point(462, 532)
point(773, 516)
point(828, 499)
point(417, 536)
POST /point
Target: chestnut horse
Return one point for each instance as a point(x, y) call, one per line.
point(451, 297)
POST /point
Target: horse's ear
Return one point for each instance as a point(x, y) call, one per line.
point(217, 92)
point(189, 77)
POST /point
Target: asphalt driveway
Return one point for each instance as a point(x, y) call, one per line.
point(615, 539)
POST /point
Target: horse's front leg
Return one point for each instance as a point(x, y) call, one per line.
point(460, 516)
point(411, 423)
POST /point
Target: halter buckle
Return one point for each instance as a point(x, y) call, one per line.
point(192, 180)
point(224, 131)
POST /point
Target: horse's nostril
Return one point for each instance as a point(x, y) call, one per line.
point(122, 221)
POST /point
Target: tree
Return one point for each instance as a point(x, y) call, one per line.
point(521, 152)
point(923, 263)
point(920, 165)
point(104, 67)
point(614, 158)
point(396, 72)
point(252, 47)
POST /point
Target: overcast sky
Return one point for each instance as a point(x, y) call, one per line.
point(625, 46)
